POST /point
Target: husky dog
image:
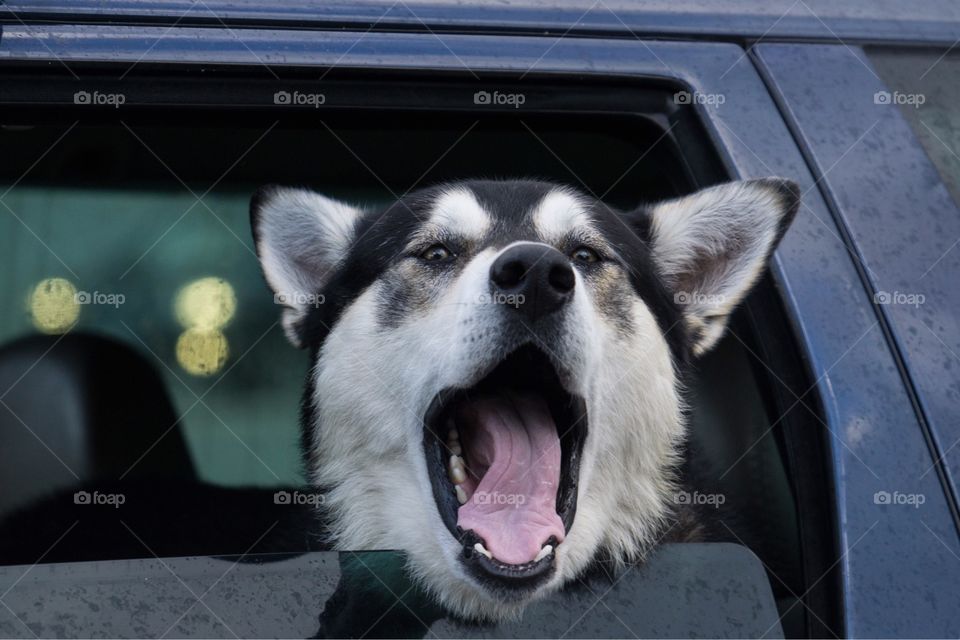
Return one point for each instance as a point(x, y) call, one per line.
point(496, 380)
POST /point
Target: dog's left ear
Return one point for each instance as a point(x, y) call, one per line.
point(711, 247)
point(301, 237)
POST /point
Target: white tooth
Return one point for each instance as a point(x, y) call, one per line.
point(461, 494)
point(479, 548)
point(458, 472)
point(454, 447)
point(544, 552)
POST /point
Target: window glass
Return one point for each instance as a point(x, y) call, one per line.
point(925, 85)
point(175, 280)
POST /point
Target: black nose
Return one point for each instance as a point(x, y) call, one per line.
point(533, 278)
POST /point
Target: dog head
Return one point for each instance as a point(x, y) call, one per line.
point(495, 384)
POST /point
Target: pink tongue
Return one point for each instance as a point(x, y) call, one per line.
point(511, 445)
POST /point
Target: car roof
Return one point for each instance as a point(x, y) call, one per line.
point(932, 22)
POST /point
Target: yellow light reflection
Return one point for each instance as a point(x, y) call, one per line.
point(54, 306)
point(207, 303)
point(204, 307)
point(202, 352)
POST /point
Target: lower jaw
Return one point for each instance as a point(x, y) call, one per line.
point(473, 603)
point(505, 581)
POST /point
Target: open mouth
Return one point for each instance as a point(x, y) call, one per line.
point(504, 458)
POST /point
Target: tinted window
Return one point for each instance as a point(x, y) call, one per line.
point(925, 84)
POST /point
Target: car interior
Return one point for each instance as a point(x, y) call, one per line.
point(140, 351)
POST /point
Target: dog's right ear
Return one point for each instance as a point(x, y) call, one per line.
point(300, 237)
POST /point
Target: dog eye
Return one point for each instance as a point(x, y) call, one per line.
point(436, 253)
point(584, 254)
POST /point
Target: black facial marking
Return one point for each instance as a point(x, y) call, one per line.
point(613, 296)
point(628, 234)
point(412, 287)
point(510, 204)
point(399, 299)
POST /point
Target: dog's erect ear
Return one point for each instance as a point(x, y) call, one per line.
point(712, 246)
point(301, 237)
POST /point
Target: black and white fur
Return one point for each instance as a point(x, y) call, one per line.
point(393, 330)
